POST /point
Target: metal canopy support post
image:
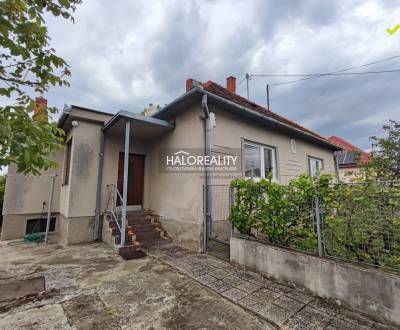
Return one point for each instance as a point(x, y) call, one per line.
point(53, 178)
point(125, 184)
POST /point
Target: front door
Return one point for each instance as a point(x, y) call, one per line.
point(135, 178)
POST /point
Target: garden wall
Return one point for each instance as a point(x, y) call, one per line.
point(372, 292)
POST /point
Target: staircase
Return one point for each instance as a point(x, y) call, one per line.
point(143, 231)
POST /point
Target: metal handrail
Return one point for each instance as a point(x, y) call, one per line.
point(113, 208)
point(116, 220)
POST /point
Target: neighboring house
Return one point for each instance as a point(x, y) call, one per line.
point(350, 159)
point(206, 120)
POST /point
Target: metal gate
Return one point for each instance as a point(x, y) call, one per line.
point(217, 227)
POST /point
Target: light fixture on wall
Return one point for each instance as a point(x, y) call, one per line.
point(75, 123)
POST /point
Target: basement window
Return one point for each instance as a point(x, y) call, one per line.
point(38, 225)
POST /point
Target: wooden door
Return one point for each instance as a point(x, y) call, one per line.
point(135, 178)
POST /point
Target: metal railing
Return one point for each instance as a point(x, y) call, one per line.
point(116, 214)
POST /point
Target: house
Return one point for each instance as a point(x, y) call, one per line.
point(149, 172)
point(350, 159)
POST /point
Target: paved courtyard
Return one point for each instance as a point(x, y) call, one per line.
point(90, 287)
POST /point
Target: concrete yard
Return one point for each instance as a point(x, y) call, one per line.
point(90, 287)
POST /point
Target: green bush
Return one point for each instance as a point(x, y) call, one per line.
point(279, 214)
point(361, 221)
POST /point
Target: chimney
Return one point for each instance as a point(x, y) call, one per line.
point(40, 109)
point(231, 84)
point(189, 84)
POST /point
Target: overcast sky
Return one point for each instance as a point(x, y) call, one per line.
point(126, 54)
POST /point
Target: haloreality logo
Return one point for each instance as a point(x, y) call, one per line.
point(194, 160)
point(393, 30)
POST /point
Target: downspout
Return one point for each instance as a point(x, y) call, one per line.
point(336, 167)
point(207, 150)
point(96, 229)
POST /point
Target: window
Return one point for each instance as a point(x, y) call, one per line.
point(39, 225)
point(315, 166)
point(68, 149)
point(259, 161)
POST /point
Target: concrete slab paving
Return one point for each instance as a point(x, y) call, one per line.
point(90, 287)
point(285, 306)
point(93, 288)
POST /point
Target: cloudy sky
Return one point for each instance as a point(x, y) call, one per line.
point(126, 54)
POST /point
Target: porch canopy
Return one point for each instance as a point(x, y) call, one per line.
point(143, 127)
point(128, 125)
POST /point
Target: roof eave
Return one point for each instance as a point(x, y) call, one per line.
point(132, 116)
point(272, 121)
point(64, 116)
point(168, 110)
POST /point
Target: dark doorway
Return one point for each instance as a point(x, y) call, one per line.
point(135, 178)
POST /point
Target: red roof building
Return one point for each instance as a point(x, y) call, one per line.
point(350, 156)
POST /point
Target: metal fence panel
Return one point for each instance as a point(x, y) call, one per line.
point(218, 226)
point(359, 222)
point(364, 226)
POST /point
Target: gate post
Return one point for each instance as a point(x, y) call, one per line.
point(318, 221)
point(230, 207)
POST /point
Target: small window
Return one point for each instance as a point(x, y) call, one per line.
point(39, 225)
point(68, 149)
point(315, 166)
point(259, 161)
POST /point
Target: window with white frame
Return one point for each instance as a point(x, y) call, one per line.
point(259, 161)
point(315, 166)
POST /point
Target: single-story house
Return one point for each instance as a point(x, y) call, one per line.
point(350, 159)
point(123, 169)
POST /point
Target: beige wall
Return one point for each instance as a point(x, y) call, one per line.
point(26, 193)
point(231, 129)
point(177, 197)
point(84, 167)
point(24, 198)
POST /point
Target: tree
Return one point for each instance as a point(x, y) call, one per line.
point(28, 65)
point(385, 153)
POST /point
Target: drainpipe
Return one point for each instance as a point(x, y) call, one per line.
point(96, 230)
point(207, 151)
point(336, 167)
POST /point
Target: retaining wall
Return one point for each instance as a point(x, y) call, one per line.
point(372, 292)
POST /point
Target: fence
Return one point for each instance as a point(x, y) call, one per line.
point(363, 224)
point(359, 222)
point(218, 225)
